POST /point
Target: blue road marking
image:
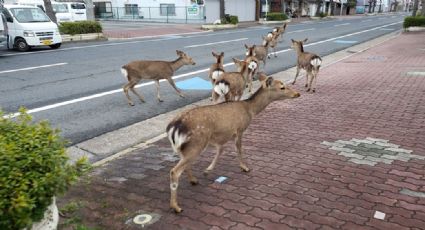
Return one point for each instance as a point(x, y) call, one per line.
point(195, 83)
point(344, 42)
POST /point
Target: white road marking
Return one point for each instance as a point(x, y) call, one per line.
point(343, 24)
point(214, 43)
point(298, 31)
point(56, 105)
point(368, 20)
point(34, 67)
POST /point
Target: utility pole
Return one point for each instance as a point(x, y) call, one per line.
point(415, 7)
point(342, 6)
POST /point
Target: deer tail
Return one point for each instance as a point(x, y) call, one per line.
point(222, 87)
point(177, 133)
point(124, 72)
point(316, 62)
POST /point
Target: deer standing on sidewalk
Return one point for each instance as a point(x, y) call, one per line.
point(231, 85)
point(309, 61)
point(192, 131)
point(153, 70)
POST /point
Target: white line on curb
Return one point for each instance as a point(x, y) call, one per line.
point(176, 77)
point(34, 67)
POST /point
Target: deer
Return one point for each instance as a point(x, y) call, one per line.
point(279, 30)
point(153, 70)
point(231, 85)
point(250, 58)
point(309, 61)
point(214, 125)
point(216, 69)
point(261, 52)
point(274, 37)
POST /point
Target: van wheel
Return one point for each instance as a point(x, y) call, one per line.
point(55, 46)
point(21, 45)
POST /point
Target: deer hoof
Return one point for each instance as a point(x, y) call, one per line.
point(131, 103)
point(244, 168)
point(160, 100)
point(177, 209)
point(293, 83)
point(306, 85)
point(308, 90)
point(182, 95)
point(194, 182)
point(314, 90)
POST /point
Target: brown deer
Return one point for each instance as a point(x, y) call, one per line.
point(194, 130)
point(261, 52)
point(273, 36)
point(250, 58)
point(279, 30)
point(153, 70)
point(216, 69)
point(309, 61)
point(231, 85)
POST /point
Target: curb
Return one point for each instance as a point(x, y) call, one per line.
point(219, 27)
point(415, 29)
point(83, 37)
point(109, 146)
point(274, 22)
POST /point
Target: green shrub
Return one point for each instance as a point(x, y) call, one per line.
point(80, 27)
point(230, 19)
point(276, 17)
point(322, 14)
point(414, 21)
point(33, 168)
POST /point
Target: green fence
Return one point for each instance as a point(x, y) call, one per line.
point(159, 14)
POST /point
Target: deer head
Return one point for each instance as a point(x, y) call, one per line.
point(277, 90)
point(219, 57)
point(298, 45)
point(250, 51)
point(187, 60)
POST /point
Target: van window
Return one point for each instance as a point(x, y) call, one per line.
point(77, 6)
point(60, 8)
point(26, 15)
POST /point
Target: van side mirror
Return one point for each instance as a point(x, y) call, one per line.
point(9, 19)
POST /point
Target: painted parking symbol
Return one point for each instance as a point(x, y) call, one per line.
point(195, 83)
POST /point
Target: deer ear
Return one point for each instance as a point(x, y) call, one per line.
point(269, 81)
point(214, 54)
point(246, 46)
point(292, 40)
point(235, 60)
point(305, 40)
point(180, 53)
point(222, 54)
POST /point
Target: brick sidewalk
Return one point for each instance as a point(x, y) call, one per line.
point(324, 161)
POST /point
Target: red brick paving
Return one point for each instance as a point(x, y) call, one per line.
point(295, 182)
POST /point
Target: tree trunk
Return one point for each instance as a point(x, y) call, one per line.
point(423, 8)
point(221, 8)
point(415, 7)
point(49, 11)
point(300, 9)
point(319, 4)
point(331, 8)
point(374, 5)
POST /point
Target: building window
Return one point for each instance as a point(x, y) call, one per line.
point(131, 9)
point(167, 9)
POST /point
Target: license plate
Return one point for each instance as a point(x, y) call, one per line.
point(47, 42)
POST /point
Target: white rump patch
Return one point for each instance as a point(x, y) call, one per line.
point(316, 62)
point(252, 65)
point(221, 89)
point(270, 35)
point(179, 139)
point(124, 73)
point(274, 30)
point(216, 74)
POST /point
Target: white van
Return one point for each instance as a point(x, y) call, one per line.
point(77, 11)
point(29, 26)
point(62, 12)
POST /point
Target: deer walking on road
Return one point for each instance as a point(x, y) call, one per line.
point(192, 131)
point(153, 70)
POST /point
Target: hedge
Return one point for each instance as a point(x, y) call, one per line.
point(80, 27)
point(276, 17)
point(33, 168)
point(414, 21)
point(230, 19)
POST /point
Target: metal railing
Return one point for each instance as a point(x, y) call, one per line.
point(157, 14)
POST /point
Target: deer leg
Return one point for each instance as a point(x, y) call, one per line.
point(239, 150)
point(170, 80)
point(314, 80)
point(310, 80)
point(192, 179)
point(296, 75)
point(214, 162)
point(157, 91)
point(274, 51)
point(175, 174)
point(125, 88)
point(306, 79)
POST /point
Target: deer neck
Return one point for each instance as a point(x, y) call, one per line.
point(300, 50)
point(177, 64)
point(258, 102)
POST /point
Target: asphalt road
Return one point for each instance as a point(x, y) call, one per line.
point(78, 87)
